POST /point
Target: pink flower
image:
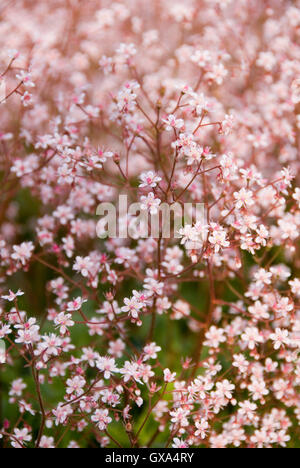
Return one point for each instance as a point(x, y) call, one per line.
point(28, 332)
point(202, 426)
point(225, 388)
point(23, 252)
point(17, 387)
point(173, 123)
point(257, 388)
point(151, 351)
point(47, 442)
point(252, 337)
point(214, 336)
point(21, 436)
point(280, 338)
point(149, 179)
point(63, 321)
point(179, 443)
point(169, 376)
point(76, 304)
point(244, 198)
point(150, 203)
point(61, 413)
point(75, 385)
point(218, 237)
point(12, 296)
point(106, 365)
point(26, 79)
point(132, 306)
point(26, 99)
